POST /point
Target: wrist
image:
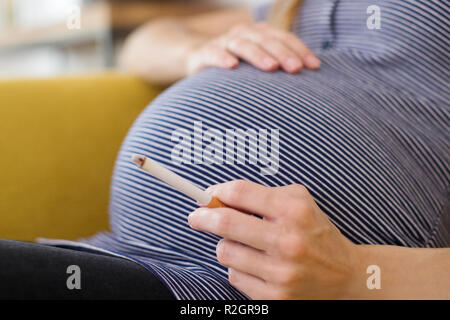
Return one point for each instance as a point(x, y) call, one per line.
point(402, 273)
point(359, 286)
point(190, 49)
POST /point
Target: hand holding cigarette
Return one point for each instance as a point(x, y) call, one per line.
point(294, 252)
point(177, 182)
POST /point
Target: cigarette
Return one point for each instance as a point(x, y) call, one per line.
point(177, 182)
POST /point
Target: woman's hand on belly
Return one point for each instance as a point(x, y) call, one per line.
point(264, 47)
point(293, 252)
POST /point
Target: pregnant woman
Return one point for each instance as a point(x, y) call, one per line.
point(359, 97)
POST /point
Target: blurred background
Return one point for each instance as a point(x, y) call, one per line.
point(41, 38)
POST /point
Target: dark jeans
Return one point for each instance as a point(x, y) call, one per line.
point(36, 271)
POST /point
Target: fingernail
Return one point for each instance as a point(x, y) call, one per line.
point(211, 189)
point(312, 61)
point(201, 211)
point(293, 64)
point(197, 212)
point(191, 216)
point(269, 62)
point(230, 63)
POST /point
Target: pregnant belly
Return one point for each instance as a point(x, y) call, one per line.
point(274, 129)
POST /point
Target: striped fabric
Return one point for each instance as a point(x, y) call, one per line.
point(368, 135)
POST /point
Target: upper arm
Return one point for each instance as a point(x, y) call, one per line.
point(218, 22)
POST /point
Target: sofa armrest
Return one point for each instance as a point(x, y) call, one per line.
point(58, 141)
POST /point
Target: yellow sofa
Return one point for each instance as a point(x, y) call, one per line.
point(58, 141)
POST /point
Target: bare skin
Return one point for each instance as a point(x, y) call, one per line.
point(295, 252)
point(181, 47)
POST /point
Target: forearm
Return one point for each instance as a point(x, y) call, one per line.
point(406, 273)
point(157, 51)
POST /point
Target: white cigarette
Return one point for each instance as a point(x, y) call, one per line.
point(177, 182)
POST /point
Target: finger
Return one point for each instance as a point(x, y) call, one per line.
point(245, 259)
point(234, 225)
point(288, 59)
point(250, 197)
point(308, 57)
point(219, 57)
point(212, 56)
point(253, 287)
point(252, 53)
